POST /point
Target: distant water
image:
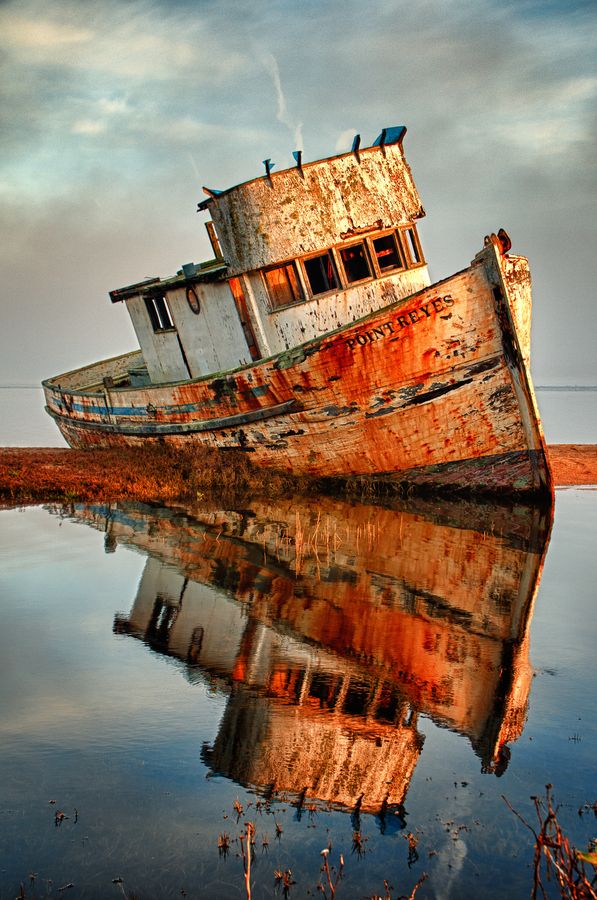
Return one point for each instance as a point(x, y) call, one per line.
point(24, 421)
point(569, 416)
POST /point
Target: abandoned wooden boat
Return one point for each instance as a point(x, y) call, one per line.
point(314, 341)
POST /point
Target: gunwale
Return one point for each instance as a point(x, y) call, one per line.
point(508, 442)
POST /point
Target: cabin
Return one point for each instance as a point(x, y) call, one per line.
point(297, 253)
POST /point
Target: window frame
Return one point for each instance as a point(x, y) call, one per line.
point(329, 251)
point(214, 240)
point(412, 263)
point(155, 316)
point(288, 264)
point(399, 235)
point(346, 246)
point(403, 267)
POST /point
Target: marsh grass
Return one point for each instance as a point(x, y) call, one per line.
point(152, 474)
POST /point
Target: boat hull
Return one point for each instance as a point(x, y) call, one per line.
point(433, 391)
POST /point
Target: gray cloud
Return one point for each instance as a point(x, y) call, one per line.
point(113, 115)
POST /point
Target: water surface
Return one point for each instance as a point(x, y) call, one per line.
point(337, 670)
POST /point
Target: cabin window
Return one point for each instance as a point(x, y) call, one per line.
point(321, 273)
point(283, 285)
point(158, 312)
point(355, 262)
point(387, 253)
point(413, 246)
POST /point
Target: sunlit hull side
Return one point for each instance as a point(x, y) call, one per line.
point(433, 392)
point(329, 646)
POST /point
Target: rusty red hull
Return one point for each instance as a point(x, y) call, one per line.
point(433, 391)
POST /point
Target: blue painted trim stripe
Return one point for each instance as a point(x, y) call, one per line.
point(95, 409)
point(157, 428)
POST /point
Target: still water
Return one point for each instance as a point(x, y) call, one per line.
point(345, 673)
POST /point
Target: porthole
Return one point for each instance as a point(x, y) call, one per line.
point(193, 300)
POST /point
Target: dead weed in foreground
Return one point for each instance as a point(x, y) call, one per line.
point(149, 474)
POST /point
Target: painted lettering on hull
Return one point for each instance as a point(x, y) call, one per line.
point(407, 319)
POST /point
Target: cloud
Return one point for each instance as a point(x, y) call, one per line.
point(137, 104)
point(345, 139)
point(137, 40)
point(23, 32)
point(113, 106)
point(282, 115)
point(88, 126)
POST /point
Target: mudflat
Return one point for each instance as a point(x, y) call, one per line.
point(37, 474)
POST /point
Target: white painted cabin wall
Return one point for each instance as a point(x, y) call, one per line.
point(275, 219)
point(213, 341)
point(161, 350)
point(295, 212)
point(223, 620)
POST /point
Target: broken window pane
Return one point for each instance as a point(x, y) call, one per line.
point(283, 285)
point(355, 262)
point(387, 253)
point(158, 312)
point(321, 273)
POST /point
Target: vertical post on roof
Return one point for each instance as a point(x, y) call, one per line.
point(382, 137)
point(269, 165)
point(356, 143)
point(298, 156)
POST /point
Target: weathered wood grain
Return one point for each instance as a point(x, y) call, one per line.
point(431, 390)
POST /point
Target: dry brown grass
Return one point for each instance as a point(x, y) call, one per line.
point(152, 474)
point(555, 858)
point(163, 475)
point(574, 463)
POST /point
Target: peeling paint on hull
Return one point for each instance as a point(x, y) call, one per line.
point(431, 391)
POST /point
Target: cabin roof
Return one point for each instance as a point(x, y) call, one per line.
point(212, 270)
point(392, 135)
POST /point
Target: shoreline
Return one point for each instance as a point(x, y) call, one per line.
point(44, 474)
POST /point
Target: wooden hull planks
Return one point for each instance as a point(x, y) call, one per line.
point(433, 391)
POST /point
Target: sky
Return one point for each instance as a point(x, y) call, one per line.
point(114, 114)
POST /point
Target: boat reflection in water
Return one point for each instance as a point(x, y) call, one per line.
point(331, 626)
